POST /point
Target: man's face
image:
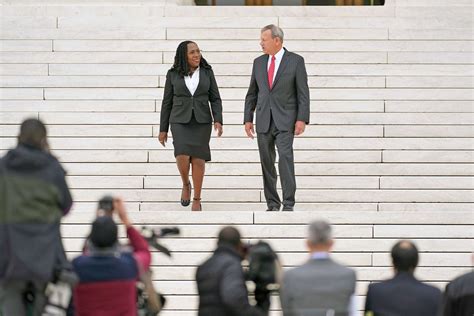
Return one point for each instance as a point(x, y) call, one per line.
point(270, 45)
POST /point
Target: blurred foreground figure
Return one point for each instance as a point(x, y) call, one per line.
point(33, 198)
point(321, 286)
point(221, 281)
point(404, 294)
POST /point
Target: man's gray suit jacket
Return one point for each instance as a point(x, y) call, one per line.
point(318, 286)
point(287, 101)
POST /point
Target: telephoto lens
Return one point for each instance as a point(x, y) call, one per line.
point(106, 205)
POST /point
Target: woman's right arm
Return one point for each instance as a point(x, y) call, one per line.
point(166, 104)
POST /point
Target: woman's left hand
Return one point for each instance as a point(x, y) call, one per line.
point(218, 129)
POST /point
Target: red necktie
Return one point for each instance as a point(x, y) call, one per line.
point(271, 71)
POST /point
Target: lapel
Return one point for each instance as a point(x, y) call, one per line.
point(281, 68)
point(265, 71)
point(201, 76)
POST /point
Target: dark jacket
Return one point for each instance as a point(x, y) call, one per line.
point(179, 104)
point(403, 295)
point(221, 286)
point(107, 280)
point(33, 198)
point(286, 102)
point(459, 296)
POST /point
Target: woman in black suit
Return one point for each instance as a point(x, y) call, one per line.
point(190, 87)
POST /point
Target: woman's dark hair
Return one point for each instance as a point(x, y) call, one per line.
point(181, 60)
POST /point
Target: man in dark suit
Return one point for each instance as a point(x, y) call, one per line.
point(458, 297)
point(279, 93)
point(403, 295)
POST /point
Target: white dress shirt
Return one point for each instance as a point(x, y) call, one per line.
point(193, 81)
point(278, 57)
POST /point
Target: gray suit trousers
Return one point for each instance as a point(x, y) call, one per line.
point(266, 147)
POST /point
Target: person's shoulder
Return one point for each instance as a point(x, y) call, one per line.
point(293, 274)
point(80, 261)
point(379, 285)
point(298, 271)
point(55, 165)
point(294, 55)
point(467, 278)
point(429, 289)
point(341, 268)
point(260, 58)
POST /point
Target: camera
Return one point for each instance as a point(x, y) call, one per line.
point(150, 302)
point(263, 267)
point(264, 271)
point(106, 206)
point(152, 235)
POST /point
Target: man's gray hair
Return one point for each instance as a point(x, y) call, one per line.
point(276, 31)
point(320, 232)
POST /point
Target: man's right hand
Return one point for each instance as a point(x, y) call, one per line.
point(163, 138)
point(249, 130)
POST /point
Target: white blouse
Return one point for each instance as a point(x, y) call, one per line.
point(192, 82)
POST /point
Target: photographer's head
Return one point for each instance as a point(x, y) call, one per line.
point(104, 233)
point(320, 237)
point(33, 133)
point(229, 236)
point(404, 256)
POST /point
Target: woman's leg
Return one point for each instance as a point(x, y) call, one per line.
point(198, 167)
point(183, 162)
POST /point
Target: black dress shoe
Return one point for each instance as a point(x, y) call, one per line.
point(273, 209)
point(287, 209)
point(186, 202)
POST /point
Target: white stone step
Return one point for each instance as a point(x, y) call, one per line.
point(238, 45)
point(326, 169)
point(246, 69)
point(427, 156)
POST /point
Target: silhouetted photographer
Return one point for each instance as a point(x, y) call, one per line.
point(33, 198)
point(221, 280)
point(108, 272)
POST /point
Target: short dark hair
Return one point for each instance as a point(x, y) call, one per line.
point(229, 236)
point(104, 232)
point(33, 133)
point(404, 256)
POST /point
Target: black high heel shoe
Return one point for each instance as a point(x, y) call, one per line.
point(200, 205)
point(186, 202)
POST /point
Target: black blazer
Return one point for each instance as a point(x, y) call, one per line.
point(178, 103)
point(287, 101)
point(402, 296)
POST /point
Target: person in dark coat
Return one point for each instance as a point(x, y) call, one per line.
point(189, 90)
point(221, 282)
point(459, 296)
point(403, 295)
point(33, 198)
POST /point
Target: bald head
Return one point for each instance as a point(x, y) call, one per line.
point(404, 256)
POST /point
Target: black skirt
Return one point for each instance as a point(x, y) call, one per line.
point(192, 139)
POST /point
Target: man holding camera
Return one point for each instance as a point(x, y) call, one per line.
point(221, 281)
point(108, 273)
point(33, 198)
